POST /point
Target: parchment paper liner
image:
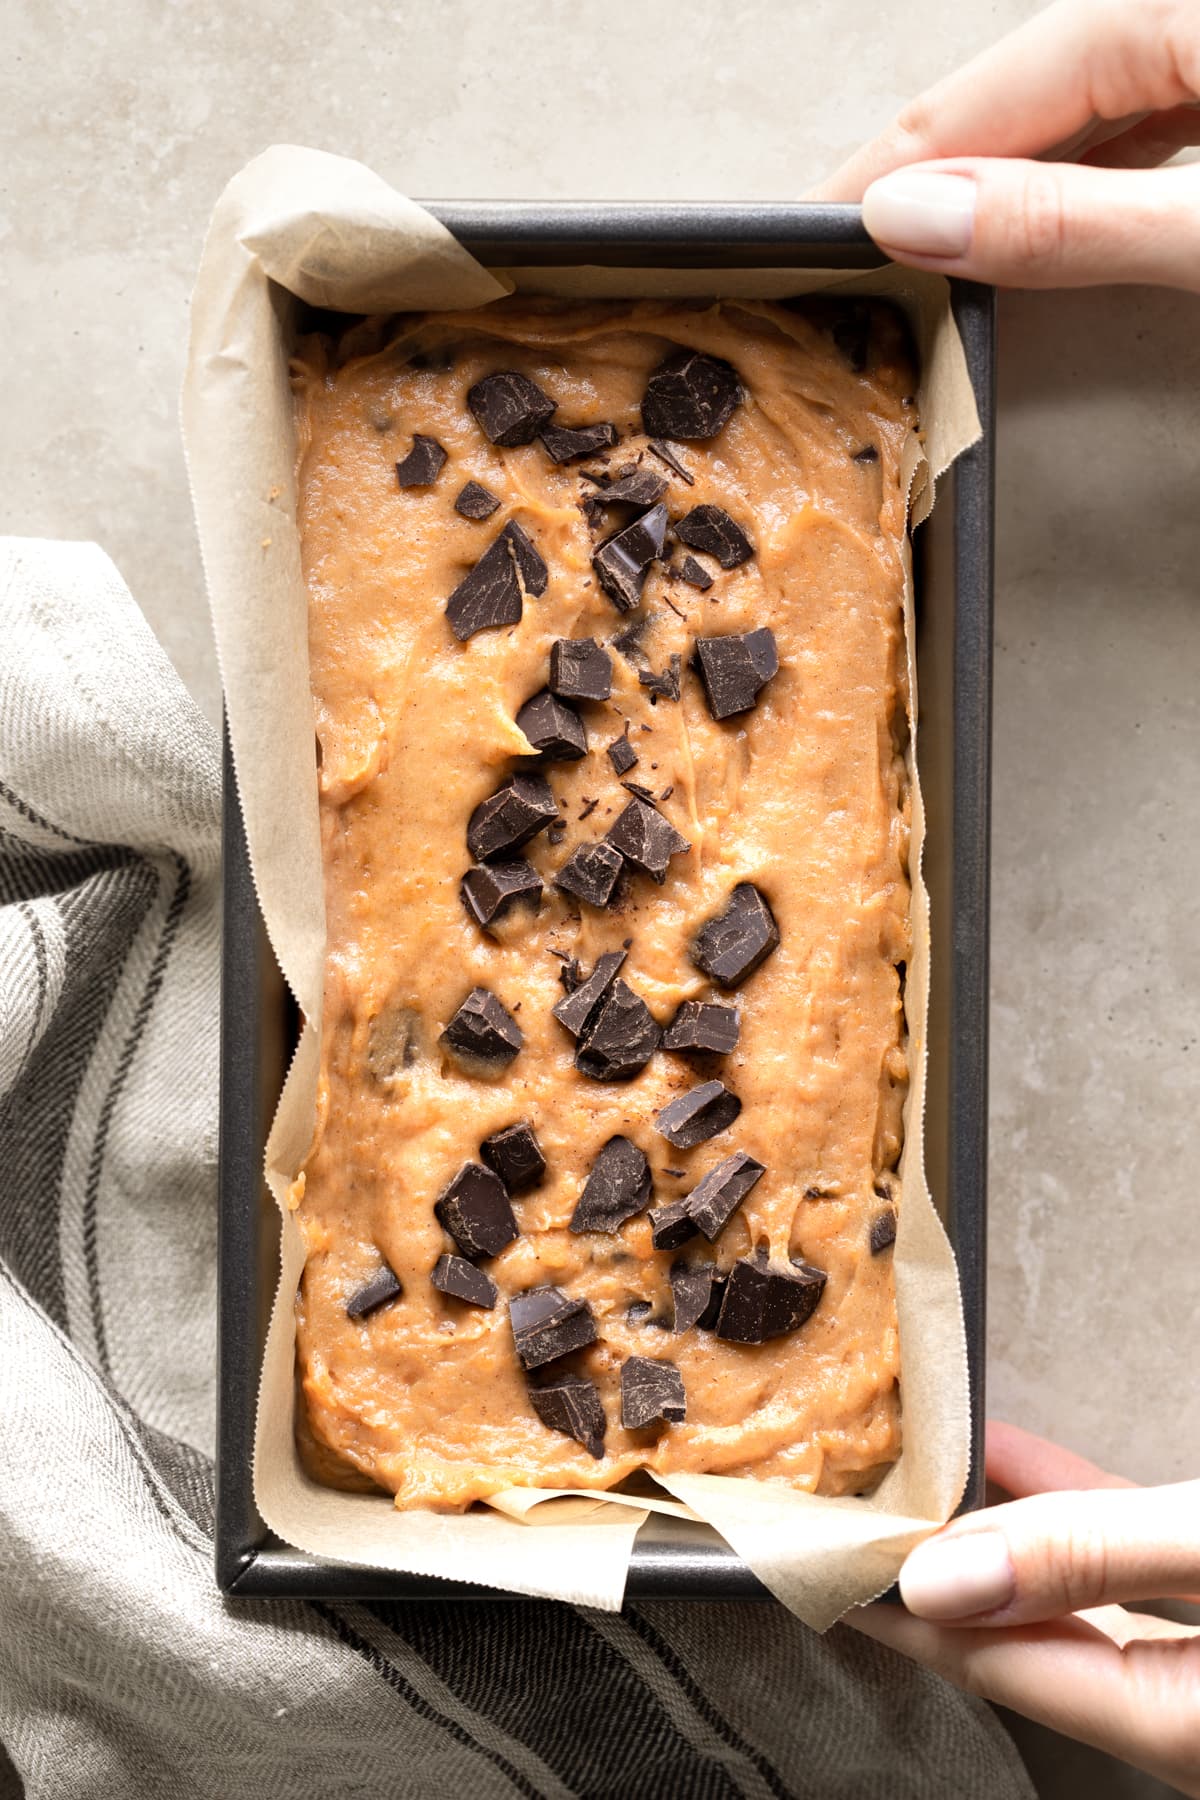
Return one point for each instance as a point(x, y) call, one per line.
point(298, 222)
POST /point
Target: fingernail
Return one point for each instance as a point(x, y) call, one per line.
point(928, 214)
point(955, 1577)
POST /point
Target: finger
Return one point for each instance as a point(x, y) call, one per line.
point(1132, 1695)
point(1043, 85)
point(1023, 1464)
point(1147, 143)
point(1039, 225)
point(1055, 1553)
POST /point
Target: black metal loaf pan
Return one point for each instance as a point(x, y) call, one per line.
point(953, 554)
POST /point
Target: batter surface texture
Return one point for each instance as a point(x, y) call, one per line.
point(793, 807)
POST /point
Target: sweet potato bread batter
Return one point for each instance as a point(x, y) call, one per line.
point(804, 796)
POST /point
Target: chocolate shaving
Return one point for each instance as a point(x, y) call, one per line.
point(588, 807)
point(547, 1324)
point(475, 1209)
point(698, 1115)
point(515, 1155)
point(734, 943)
point(516, 812)
point(620, 1037)
point(483, 1030)
point(553, 727)
point(379, 1291)
point(580, 669)
point(763, 1302)
point(646, 839)
point(591, 873)
point(575, 1011)
point(423, 463)
point(571, 1404)
point(491, 890)
point(509, 408)
point(455, 1276)
point(651, 1392)
point(618, 1188)
point(565, 442)
point(476, 502)
point(710, 528)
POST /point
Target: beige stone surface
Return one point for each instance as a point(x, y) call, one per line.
point(119, 126)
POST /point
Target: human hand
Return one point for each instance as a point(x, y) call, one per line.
point(1035, 165)
point(1016, 1603)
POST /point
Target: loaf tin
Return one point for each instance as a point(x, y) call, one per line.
point(953, 579)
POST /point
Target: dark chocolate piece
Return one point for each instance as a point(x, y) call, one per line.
point(553, 727)
point(868, 454)
point(619, 1039)
point(713, 1201)
point(763, 1302)
point(642, 792)
point(695, 574)
point(641, 488)
point(557, 832)
point(571, 1404)
point(735, 669)
point(666, 685)
point(710, 528)
point(491, 890)
point(702, 1028)
point(591, 873)
point(483, 1030)
point(672, 1225)
point(476, 502)
point(883, 1230)
point(582, 1001)
point(455, 1276)
point(475, 1209)
point(531, 564)
point(580, 669)
point(639, 1313)
point(666, 453)
point(511, 816)
point(547, 1324)
point(698, 1115)
point(622, 561)
point(589, 806)
point(651, 1391)
point(622, 755)
point(712, 1312)
point(617, 1188)
point(733, 944)
point(423, 463)
point(509, 408)
point(564, 442)
point(515, 1155)
point(646, 839)
point(629, 642)
point(691, 1289)
point(489, 594)
point(381, 1289)
point(690, 396)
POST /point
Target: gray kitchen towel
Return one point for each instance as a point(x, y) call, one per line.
point(123, 1672)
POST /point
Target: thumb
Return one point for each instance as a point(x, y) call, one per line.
point(1058, 1553)
point(1035, 224)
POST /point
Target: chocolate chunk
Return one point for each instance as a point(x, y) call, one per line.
point(690, 396)
point(622, 561)
point(643, 793)
point(868, 454)
point(456, 1276)
point(580, 669)
point(475, 1209)
point(582, 1001)
point(639, 1313)
point(883, 1230)
point(509, 408)
point(553, 727)
point(735, 669)
point(547, 1324)
point(622, 755)
point(511, 816)
point(490, 594)
point(423, 463)
point(620, 1037)
point(710, 528)
point(531, 565)
point(701, 1028)
point(617, 1188)
point(666, 453)
point(762, 1302)
point(381, 1289)
point(691, 1289)
point(695, 574)
point(641, 488)
point(563, 442)
point(591, 873)
point(698, 1115)
point(712, 1312)
point(651, 1391)
point(646, 839)
point(571, 1404)
point(713, 1201)
point(733, 944)
point(557, 832)
point(476, 502)
point(483, 1030)
point(666, 685)
point(491, 890)
point(672, 1225)
point(515, 1155)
